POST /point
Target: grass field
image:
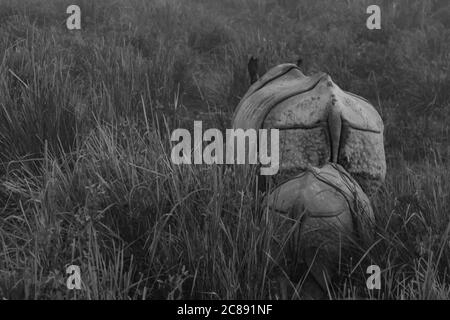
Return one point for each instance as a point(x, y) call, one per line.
point(85, 120)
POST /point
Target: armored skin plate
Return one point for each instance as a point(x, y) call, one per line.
point(323, 212)
point(318, 123)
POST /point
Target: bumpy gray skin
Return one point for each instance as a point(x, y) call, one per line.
point(322, 212)
point(318, 123)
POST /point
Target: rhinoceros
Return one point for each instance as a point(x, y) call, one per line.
point(318, 123)
point(322, 212)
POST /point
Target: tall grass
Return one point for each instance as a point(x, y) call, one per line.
point(86, 176)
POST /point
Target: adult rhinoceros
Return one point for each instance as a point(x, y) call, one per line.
point(318, 123)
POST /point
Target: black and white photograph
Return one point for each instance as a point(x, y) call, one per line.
point(244, 151)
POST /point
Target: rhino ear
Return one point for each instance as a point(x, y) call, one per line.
point(253, 69)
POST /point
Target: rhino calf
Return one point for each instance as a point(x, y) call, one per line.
point(321, 213)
